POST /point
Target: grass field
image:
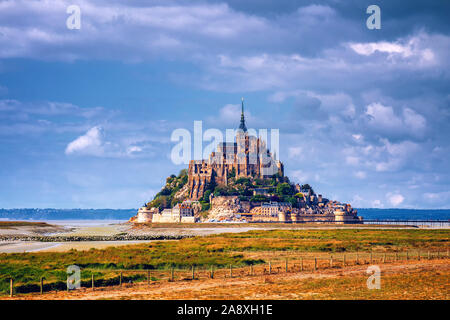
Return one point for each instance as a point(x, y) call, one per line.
point(238, 249)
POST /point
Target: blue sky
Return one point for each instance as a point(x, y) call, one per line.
point(86, 115)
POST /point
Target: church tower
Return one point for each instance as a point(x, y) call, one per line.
point(242, 146)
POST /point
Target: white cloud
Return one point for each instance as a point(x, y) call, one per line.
point(352, 160)
point(395, 199)
point(294, 152)
point(299, 176)
point(377, 203)
point(89, 143)
point(134, 149)
point(383, 119)
point(360, 174)
point(413, 47)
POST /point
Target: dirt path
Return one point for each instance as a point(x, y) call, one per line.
point(301, 285)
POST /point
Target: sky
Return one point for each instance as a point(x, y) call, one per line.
point(86, 115)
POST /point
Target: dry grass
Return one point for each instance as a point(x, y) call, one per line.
point(426, 279)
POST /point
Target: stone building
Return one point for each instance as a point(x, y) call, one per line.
point(181, 212)
point(247, 156)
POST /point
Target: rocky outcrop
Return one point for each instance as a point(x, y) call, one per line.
point(224, 207)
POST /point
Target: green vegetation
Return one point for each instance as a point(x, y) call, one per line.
point(166, 197)
point(221, 250)
point(278, 188)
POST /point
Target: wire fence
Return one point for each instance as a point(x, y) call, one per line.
point(274, 266)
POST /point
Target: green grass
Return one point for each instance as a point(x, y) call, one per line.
point(220, 250)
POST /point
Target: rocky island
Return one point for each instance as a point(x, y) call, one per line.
point(242, 181)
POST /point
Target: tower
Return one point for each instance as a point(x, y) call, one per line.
point(242, 124)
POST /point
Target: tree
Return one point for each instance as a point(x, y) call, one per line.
point(206, 195)
point(231, 174)
point(259, 198)
point(284, 189)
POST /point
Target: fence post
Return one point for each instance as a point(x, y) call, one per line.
point(92, 280)
point(428, 254)
point(172, 274)
point(357, 258)
point(148, 277)
point(438, 254)
point(251, 269)
point(42, 285)
point(120, 279)
point(331, 261)
point(371, 258)
point(447, 253)
point(407, 255)
point(212, 272)
point(344, 260)
point(11, 287)
point(396, 256)
point(315, 263)
point(418, 255)
point(286, 266)
point(193, 272)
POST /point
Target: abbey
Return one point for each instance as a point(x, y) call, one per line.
point(241, 181)
point(247, 156)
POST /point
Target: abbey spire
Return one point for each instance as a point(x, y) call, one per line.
point(242, 125)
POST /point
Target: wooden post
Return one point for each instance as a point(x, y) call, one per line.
point(331, 261)
point(193, 272)
point(172, 274)
point(357, 258)
point(251, 269)
point(148, 277)
point(42, 285)
point(212, 272)
point(407, 255)
point(396, 256)
point(447, 253)
point(315, 263)
point(231, 271)
point(11, 287)
point(418, 255)
point(343, 261)
point(371, 258)
point(438, 254)
point(92, 280)
point(428, 254)
point(270, 267)
point(120, 279)
point(286, 266)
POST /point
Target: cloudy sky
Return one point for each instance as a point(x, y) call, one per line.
point(86, 115)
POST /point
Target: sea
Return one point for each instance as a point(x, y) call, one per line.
point(96, 217)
